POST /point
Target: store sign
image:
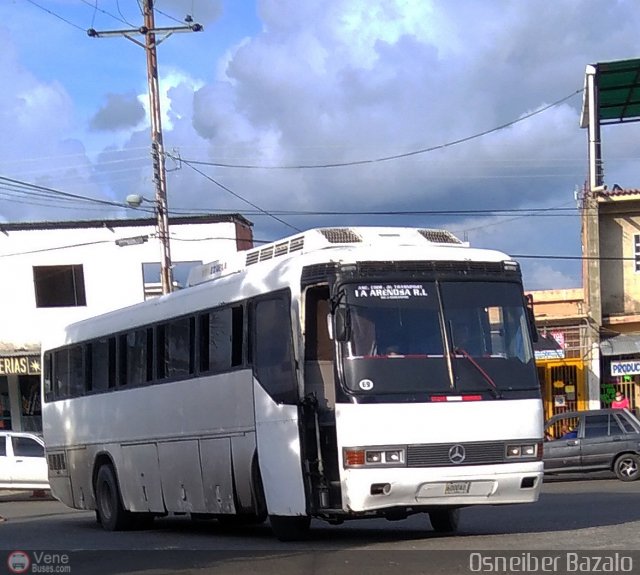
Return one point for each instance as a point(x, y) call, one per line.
point(621, 368)
point(549, 353)
point(559, 337)
point(20, 365)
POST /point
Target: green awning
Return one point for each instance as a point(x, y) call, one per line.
point(617, 86)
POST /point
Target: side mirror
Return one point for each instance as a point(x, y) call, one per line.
point(343, 324)
point(531, 317)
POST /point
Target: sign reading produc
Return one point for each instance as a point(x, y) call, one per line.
point(620, 368)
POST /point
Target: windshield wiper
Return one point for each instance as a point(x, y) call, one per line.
point(493, 388)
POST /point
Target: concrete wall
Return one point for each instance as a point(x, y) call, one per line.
point(619, 223)
point(112, 274)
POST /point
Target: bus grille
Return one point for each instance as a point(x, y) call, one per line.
point(438, 454)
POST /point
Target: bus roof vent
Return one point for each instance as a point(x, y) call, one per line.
point(439, 236)
point(281, 249)
point(340, 236)
point(266, 253)
point(253, 257)
point(274, 250)
point(296, 244)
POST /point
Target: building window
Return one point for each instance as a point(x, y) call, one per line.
point(151, 276)
point(59, 286)
point(636, 250)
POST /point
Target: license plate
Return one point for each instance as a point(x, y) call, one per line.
point(457, 487)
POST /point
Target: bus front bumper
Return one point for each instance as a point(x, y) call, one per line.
point(371, 489)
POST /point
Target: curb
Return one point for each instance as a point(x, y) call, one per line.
point(25, 495)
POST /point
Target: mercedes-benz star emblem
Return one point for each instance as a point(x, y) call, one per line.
point(457, 453)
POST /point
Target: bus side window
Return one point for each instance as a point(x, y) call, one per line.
point(175, 348)
point(215, 340)
point(272, 359)
point(99, 364)
point(318, 344)
point(47, 375)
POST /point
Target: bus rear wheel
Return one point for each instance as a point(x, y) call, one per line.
point(445, 520)
point(290, 528)
point(109, 510)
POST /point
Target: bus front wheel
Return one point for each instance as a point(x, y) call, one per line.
point(445, 520)
point(110, 512)
point(290, 528)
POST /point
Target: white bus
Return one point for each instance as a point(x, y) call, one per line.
point(340, 373)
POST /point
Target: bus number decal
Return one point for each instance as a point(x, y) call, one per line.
point(366, 384)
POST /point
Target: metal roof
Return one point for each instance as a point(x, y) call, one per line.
point(623, 344)
point(122, 222)
point(618, 92)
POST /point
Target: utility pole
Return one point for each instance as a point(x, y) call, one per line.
point(149, 31)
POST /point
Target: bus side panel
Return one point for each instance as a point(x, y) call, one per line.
point(181, 481)
point(139, 477)
point(80, 471)
point(278, 441)
point(217, 476)
point(243, 448)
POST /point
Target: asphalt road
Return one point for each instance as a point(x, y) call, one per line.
point(594, 516)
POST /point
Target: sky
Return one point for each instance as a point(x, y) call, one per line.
point(452, 114)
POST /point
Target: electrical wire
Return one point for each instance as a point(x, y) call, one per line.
point(56, 15)
point(51, 249)
point(265, 212)
point(60, 193)
point(167, 15)
point(95, 7)
point(384, 158)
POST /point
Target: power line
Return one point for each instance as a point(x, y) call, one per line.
point(37, 188)
point(168, 16)
point(96, 9)
point(385, 158)
point(55, 248)
point(265, 212)
point(55, 15)
point(533, 212)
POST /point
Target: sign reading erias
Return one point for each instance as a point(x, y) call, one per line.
point(20, 365)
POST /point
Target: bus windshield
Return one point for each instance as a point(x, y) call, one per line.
point(449, 337)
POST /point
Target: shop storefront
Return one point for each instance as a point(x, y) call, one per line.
point(20, 393)
point(621, 369)
point(561, 370)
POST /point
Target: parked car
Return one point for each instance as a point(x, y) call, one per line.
point(23, 464)
point(593, 440)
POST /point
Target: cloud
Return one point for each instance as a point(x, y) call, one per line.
point(345, 81)
point(121, 112)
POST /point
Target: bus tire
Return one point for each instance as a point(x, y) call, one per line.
point(290, 527)
point(445, 520)
point(109, 508)
point(627, 467)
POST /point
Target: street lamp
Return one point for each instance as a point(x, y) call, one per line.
point(162, 224)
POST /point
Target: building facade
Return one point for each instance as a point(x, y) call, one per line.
point(55, 273)
point(562, 353)
point(611, 223)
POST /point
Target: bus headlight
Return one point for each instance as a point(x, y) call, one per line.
point(532, 450)
point(393, 456)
